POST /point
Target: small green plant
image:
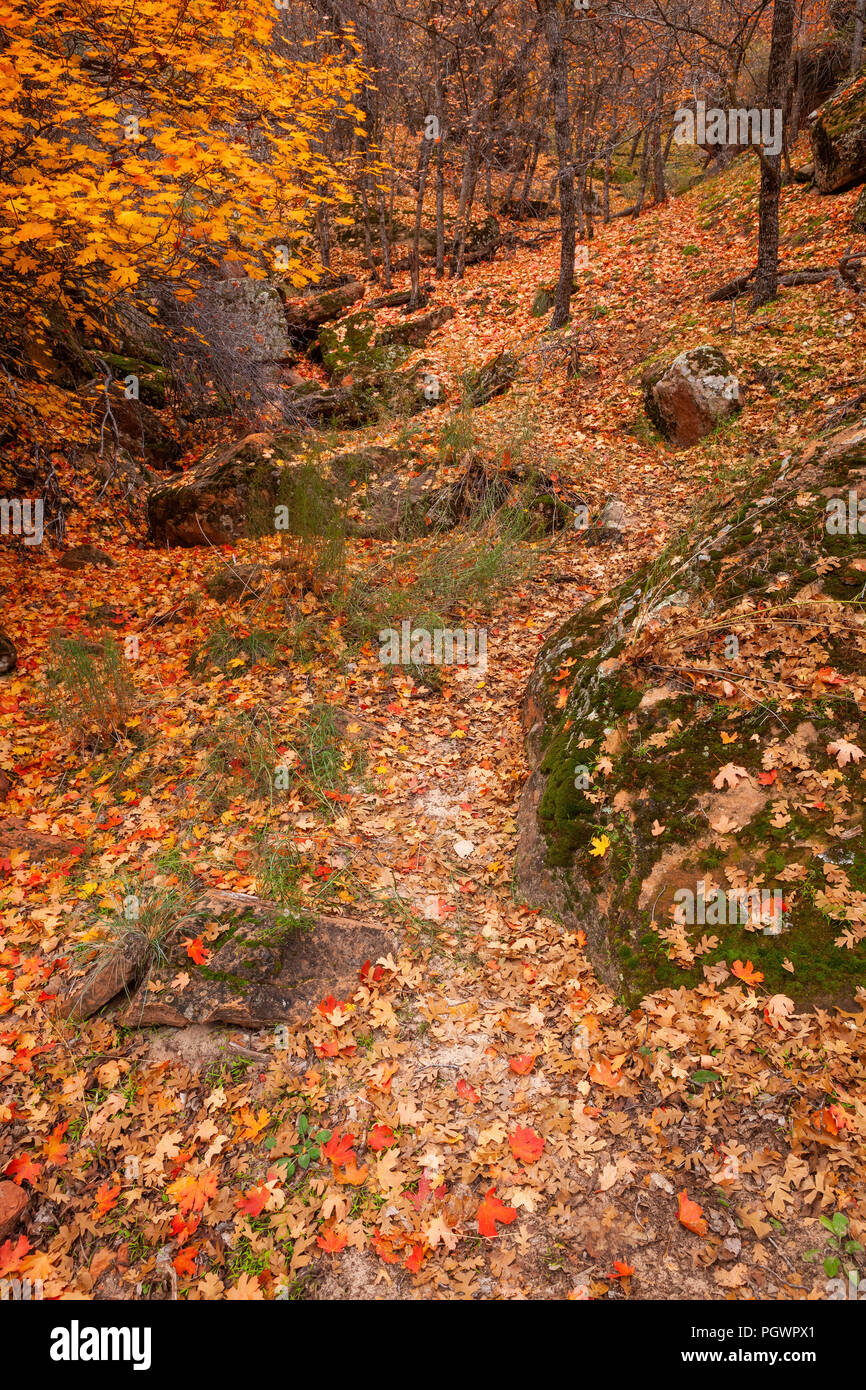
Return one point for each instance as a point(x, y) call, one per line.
point(279, 871)
point(91, 686)
point(839, 1246)
point(311, 525)
point(325, 758)
point(459, 433)
point(307, 1150)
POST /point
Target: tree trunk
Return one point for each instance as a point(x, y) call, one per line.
point(383, 238)
point(440, 210)
point(423, 166)
point(781, 42)
point(562, 129)
point(857, 44)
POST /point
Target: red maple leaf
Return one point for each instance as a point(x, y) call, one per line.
point(467, 1092)
point(22, 1169)
point(340, 1149)
point(196, 949)
point(253, 1200)
point(526, 1145)
point(12, 1255)
point(524, 1063)
point(381, 1137)
point(331, 1240)
point(492, 1210)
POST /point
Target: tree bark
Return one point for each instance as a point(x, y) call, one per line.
point(562, 128)
point(781, 43)
point(857, 44)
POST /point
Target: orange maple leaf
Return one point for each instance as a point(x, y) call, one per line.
point(184, 1261)
point(332, 1240)
point(690, 1214)
point(352, 1175)
point(526, 1145)
point(106, 1198)
point(253, 1124)
point(524, 1063)
point(746, 972)
point(603, 1075)
point(492, 1210)
point(467, 1092)
point(196, 949)
point(55, 1151)
point(621, 1270)
point(193, 1190)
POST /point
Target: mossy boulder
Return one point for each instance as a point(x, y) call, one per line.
point(687, 398)
point(234, 490)
point(697, 793)
point(839, 137)
point(223, 496)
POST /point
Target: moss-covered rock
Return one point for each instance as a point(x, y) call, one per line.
point(839, 137)
point(697, 736)
point(687, 398)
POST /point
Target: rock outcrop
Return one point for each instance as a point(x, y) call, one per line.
point(711, 743)
point(839, 137)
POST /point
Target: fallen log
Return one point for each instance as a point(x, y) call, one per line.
point(845, 273)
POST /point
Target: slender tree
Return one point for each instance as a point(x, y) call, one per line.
point(778, 74)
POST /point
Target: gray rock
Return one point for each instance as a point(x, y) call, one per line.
point(688, 397)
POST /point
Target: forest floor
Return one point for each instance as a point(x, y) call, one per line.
point(476, 1148)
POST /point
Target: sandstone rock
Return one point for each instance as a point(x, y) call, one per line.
point(266, 966)
point(839, 137)
point(118, 970)
point(655, 752)
point(13, 1204)
point(858, 220)
point(688, 397)
point(15, 834)
point(80, 557)
point(8, 654)
point(212, 502)
point(141, 430)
